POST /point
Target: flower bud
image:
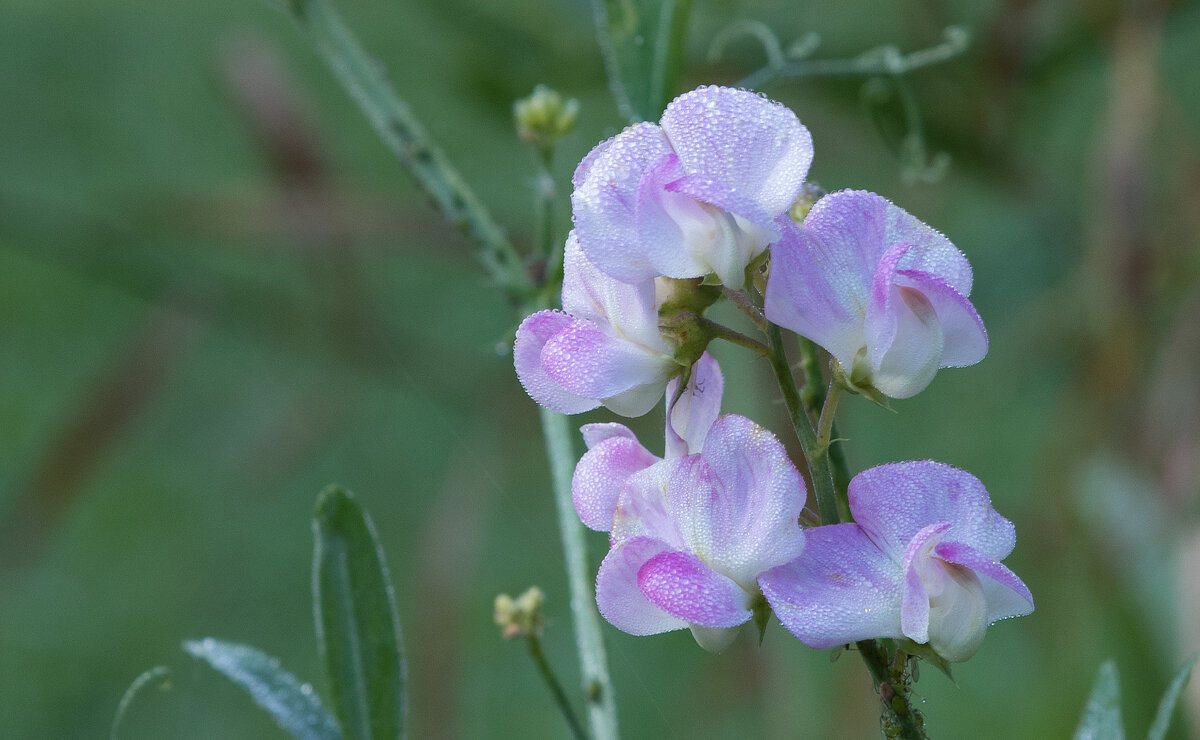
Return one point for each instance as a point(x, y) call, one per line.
point(544, 117)
point(522, 616)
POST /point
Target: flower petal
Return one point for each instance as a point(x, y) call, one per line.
point(965, 340)
point(818, 289)
point(911, 360)
point(694, 412)
point(605, 201)
point(629, 309)
point(737, 504)
point(893, 502)
point(601, 474)
point(914, 597)
point(751, 144)
point(532, 335)
point(841, 589)
point(681, 584)
point(1006, 594)
point(594, 434)
point(618, 596)
point(584, 360)
point(642, 508)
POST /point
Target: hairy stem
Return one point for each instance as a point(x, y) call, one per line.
point(560, 696)
point(593, 663)
point(366, 83)
point(900, 719)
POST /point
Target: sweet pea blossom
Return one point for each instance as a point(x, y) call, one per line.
point(691, 535)
point(603, 348)
point(885, 294)
point(614, 452)
point(921, 561)
point(694, 195)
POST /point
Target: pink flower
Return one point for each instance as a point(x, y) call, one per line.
point(921, 561)
point(691, 535)
point(696, 194)
point(885, 294)
point(605, 349)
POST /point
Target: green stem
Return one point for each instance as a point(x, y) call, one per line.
point(668, 51)
point(885, 60)
point(818, 464)
point(720, 331)
point(828, 409)
point(560, 697)
point(900, 718)
point(366, 83)
point(597, 687)
point(813, 395)
point(739, 299)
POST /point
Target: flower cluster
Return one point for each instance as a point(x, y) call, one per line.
point(709, 536)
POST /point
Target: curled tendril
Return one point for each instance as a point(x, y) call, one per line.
point(886, 69)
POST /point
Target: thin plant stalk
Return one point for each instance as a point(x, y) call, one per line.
point(593, 663)
point(560, 696)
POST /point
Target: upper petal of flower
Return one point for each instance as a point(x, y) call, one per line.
point(643, 509)
point(605, 200)
point(753, 145)
point(841, 589)
point(533, 334)
point(737, 504)
point(819, 288)
point(601, 474)
point(693, 413)
point(894, 502)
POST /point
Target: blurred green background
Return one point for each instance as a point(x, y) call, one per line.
point(219, 292)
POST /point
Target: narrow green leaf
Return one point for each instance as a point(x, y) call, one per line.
point(1166, 707)
point(642, 42)
point(295, 706)
point(1101, 718)
point(358, 630)
point(157, 673)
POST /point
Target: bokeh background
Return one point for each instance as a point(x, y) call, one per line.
point(219, 292)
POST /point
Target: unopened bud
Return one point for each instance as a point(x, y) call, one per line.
point(520, 616)
point(544, 117)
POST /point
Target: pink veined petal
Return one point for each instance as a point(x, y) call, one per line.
point(604, 203)
point(914, 600)
point(818, 290)
point(642, 507)
point(1006, 594)
point(591, 294)
point(841, 589)
point(681, 584)
point(749, 143)
point(594, 434)
point(582, 359)
point(738, 502)
point(965, 338)
point(864, 224)
point(893, 502)
point(697, 408)
point(601, 474)
point(930, 251)
point(532, 336)
point(618, 595)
